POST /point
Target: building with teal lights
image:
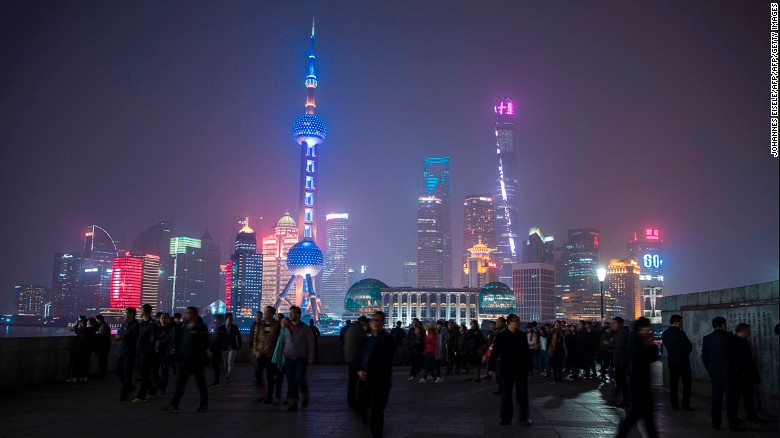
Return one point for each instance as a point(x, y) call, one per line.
point(364, 297)
point(496, 299)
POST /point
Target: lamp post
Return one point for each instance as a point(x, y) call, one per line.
point(602, 274)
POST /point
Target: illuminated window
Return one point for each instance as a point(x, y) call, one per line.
point(310, 166)
point(311, 150)
point(308, 231)
point(308, 215)
point(309, 199)
point(310, 182)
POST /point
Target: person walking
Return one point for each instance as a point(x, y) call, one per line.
point(316, 332)
point(164, 350)
point(353, 339)
point(298, 348)
point(233, 345)
point(621, 360)
point(266, 336)
point(556, 351)
point(375, 370)
point(605, 355)
point(193, 355)
point(399, 335)
point(430, 351)
point(219, 343)
point(643, 352)
point(127, 341)
point(145, 352)
point(747, 374)
point(718, 356)
point(460, 350)
point(252, 334)
point(678, 349)
point(102, 345)
point(475, 348)
point(511, 347)
point(416, 349)
point(442, 353)
point(570, 340)
point(278, 362)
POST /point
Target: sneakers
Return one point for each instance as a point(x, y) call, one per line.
point(139, 400)
point(83, 379)
point(214, 384)
point(423, 380)
point(411, 378)
point(71, 380)
point(438, 380)
point(170, 408)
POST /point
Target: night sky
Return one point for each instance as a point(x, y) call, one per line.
point(631, 114)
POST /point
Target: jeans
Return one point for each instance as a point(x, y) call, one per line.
point(146, 377)
point(296, 378)
point(417, 361)
point(102, 355)
point(185, 369)
point(352, 384)
point(520, 384)
point(544, 361)
point(216, 361)
point(160, 376)
point(378, 394)
point(677, 372)
point(264, 363)
point(430, 367)
point(124, 370)
point(229, 360)
point(622, 383)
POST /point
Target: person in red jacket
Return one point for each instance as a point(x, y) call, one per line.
point(431, 348)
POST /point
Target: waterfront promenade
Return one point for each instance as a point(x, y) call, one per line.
point(454, 408)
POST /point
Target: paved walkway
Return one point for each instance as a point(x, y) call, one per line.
point(454, 408)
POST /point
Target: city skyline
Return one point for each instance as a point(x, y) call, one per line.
point(704, 188)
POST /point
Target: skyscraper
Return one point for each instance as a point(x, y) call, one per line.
point(622, 282)
point(95, 277)
point(436, 173)
point(156, 240)
point(410, 274)
point(31, 300)
point(275, 249)
point(211, 260)
point(646, 249)
point(430, 242)
point(539, 248)
point(534, 286)
point(246, 277)
point(479, 269)
point(334, 271)
point(583, 258)
point(479, 224)
point(134, 281)
point(65, 285)
point(505, 202)
point(309, 132)
point(187, 276)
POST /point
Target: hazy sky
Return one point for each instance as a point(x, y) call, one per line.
point(631, 114)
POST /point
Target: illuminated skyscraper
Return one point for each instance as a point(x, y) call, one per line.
point(583, 258)
point(134, 281)
point(504, 201)
point(31, 300)
point(534, 285)
point(434, 247)
point(187, 277)
point(646, 248)
point(479, 224)
point(334, 271)
point(95, 277)
point(275, 272)
point(623, 285)
point(156, 240)
point(479, 269)
point(246, 277)
point(65, 285)
point(539, 248)
point(309, 132)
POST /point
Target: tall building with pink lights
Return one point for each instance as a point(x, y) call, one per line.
point(505, 198)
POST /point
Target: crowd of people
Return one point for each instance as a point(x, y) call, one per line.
point(284, 347)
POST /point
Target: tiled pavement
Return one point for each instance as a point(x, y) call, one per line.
point(454, 408)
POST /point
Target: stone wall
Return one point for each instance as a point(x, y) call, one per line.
point(755, 304)
point(35, 360)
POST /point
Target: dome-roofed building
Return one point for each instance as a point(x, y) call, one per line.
point(496, 299)
point(287, 221)
point(364, 297)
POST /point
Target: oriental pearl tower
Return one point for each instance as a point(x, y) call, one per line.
point(305, 259)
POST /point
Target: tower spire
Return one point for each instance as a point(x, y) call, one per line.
point(311, 78)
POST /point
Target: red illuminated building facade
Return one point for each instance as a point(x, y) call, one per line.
point(134, 280)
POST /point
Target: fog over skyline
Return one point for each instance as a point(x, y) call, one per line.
point(628, 116)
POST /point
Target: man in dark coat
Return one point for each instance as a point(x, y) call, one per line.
point(678, 348)
point(581, 352)
point(511, 347)
point(147, 329)
point(375, 370)
point(621, 360)
point(747, 371)
point(192, 354)
point(126, 343)
point(718, 355)
point(643, 352)
point(219, 343)
point(398, 334)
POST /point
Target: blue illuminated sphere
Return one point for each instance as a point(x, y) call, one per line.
point(496, 299)
point(309, 128)
point(304, 258)
point(365, 296)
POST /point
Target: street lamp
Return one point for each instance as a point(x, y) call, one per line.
point(602, 274)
